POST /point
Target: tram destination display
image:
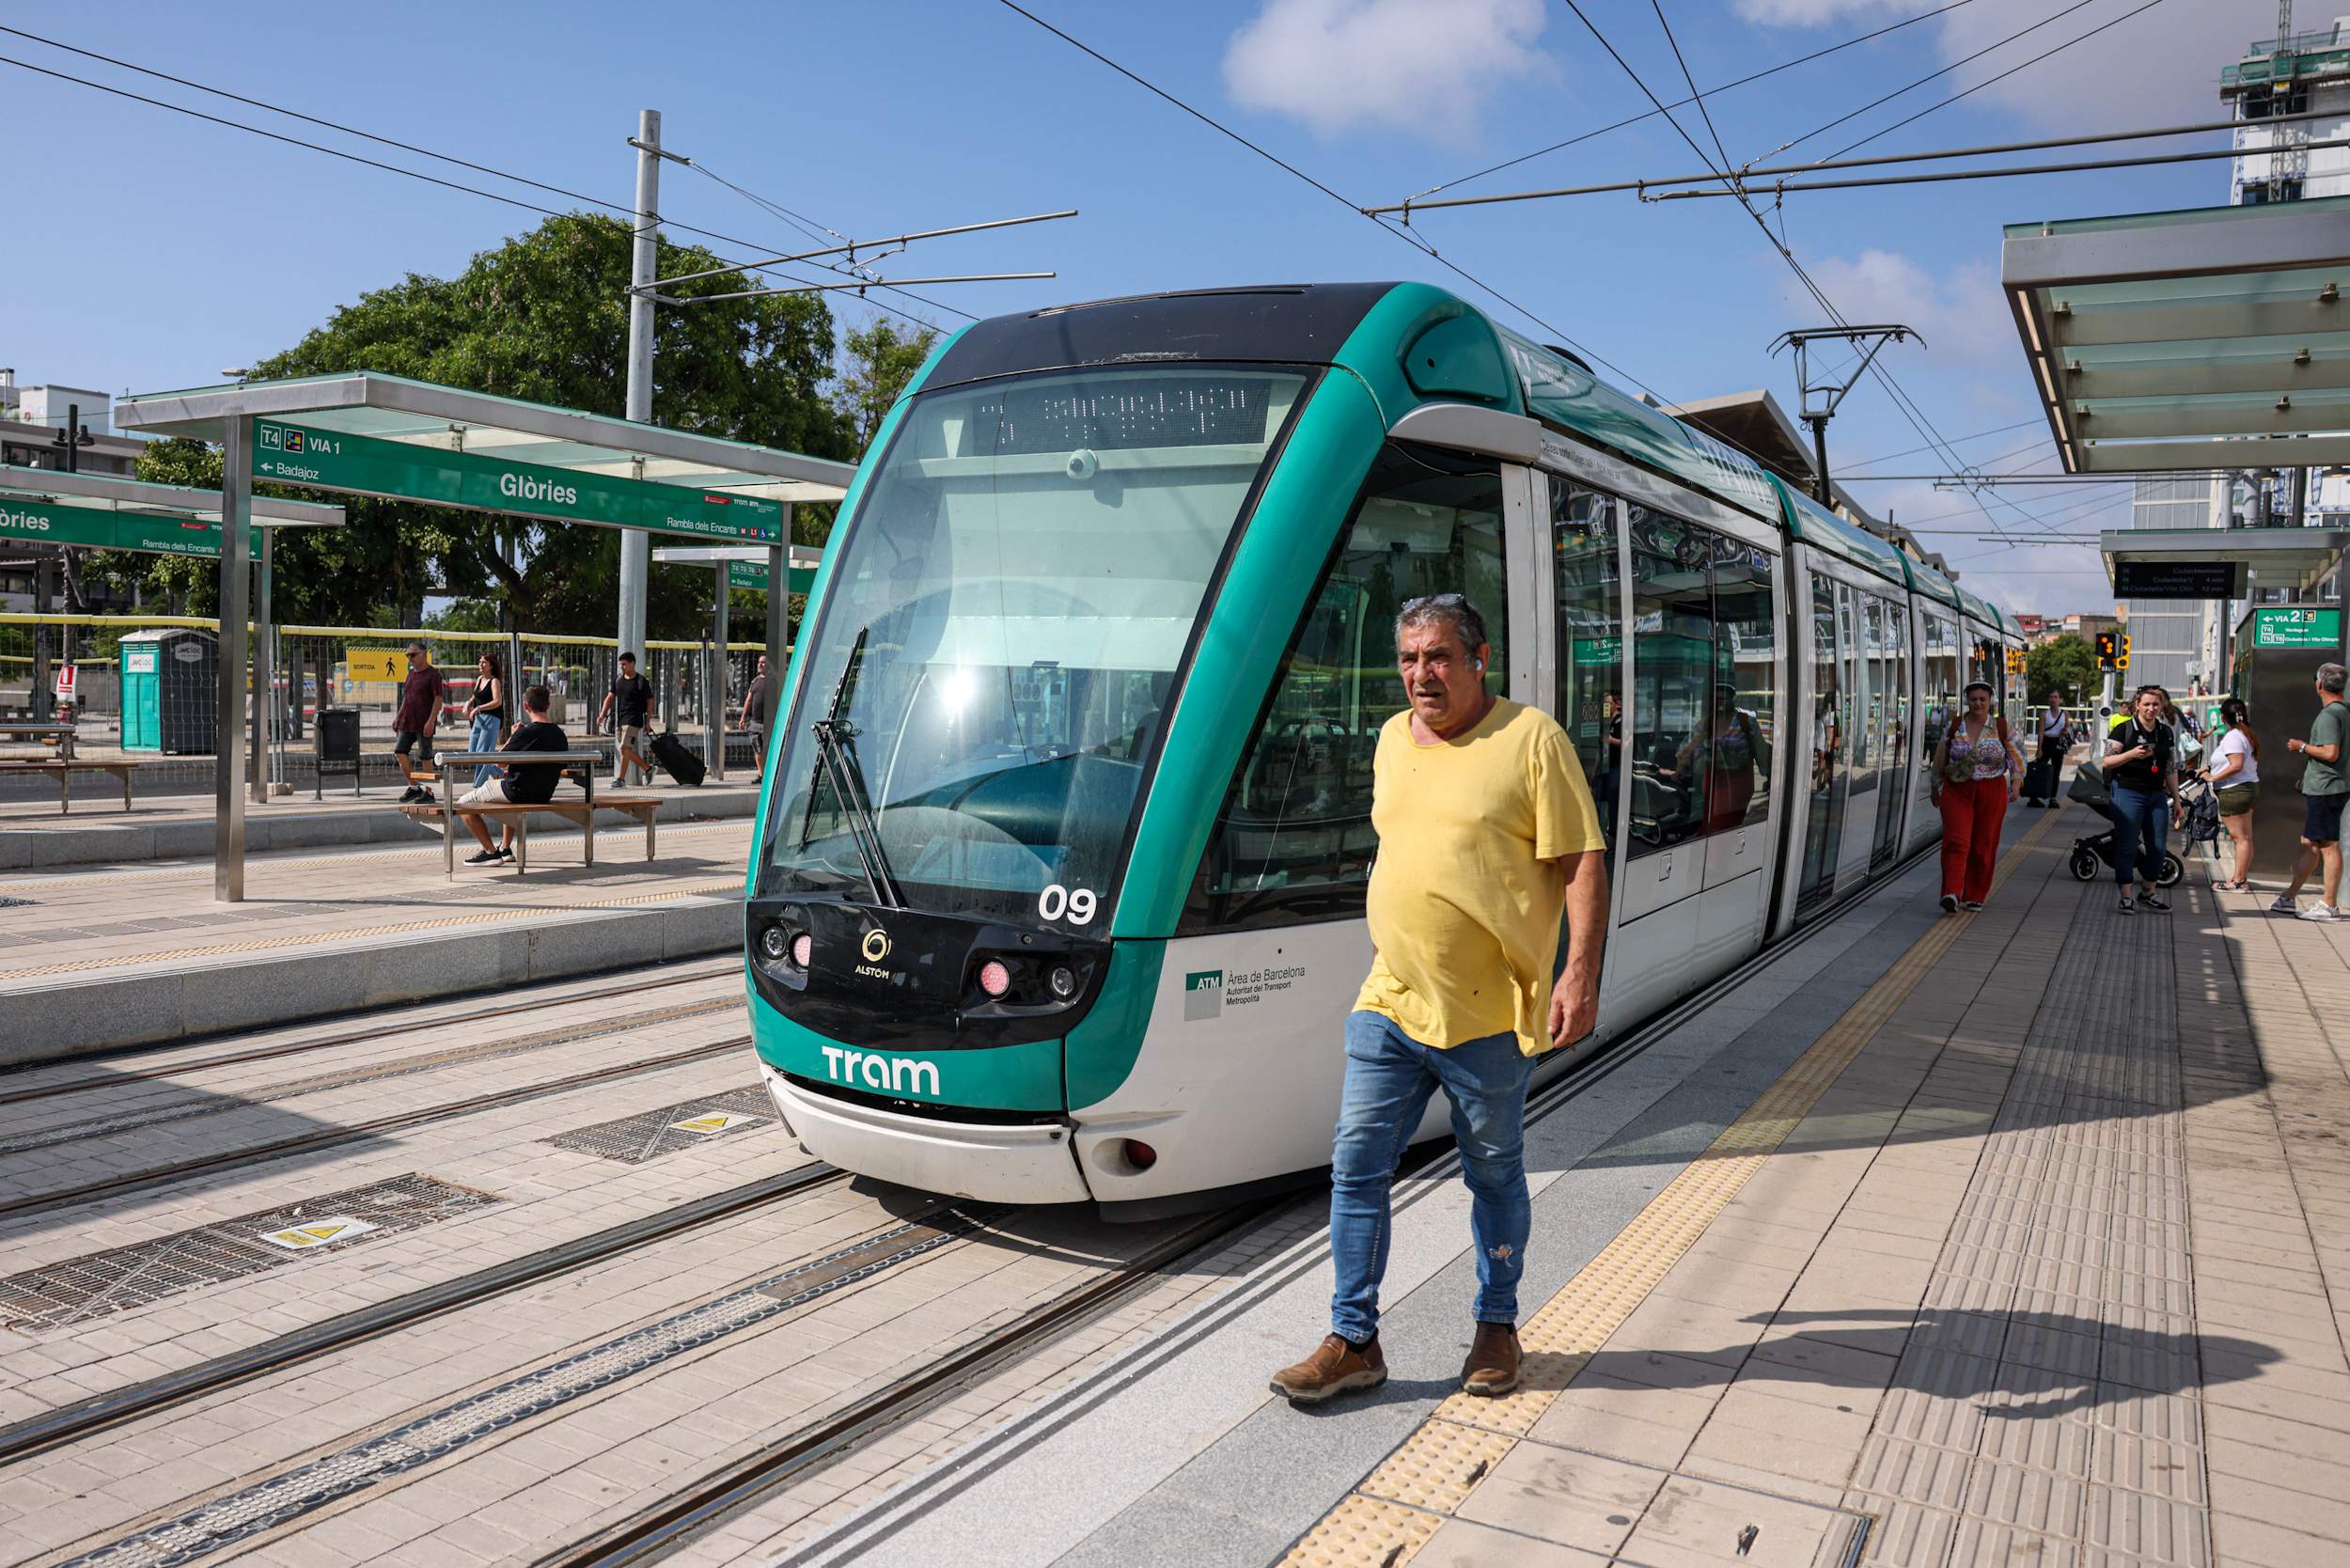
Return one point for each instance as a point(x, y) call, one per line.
point(2175, 579)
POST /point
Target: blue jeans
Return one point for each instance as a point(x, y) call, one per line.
point(1389, 1078)
point(484, 737)
point(2142, 824)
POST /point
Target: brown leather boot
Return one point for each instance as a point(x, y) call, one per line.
point(1494, 1361)
point(1335, 1367)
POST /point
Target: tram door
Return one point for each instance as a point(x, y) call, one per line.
point(1831, 719)
point(1860, 628)
point(1894, 663)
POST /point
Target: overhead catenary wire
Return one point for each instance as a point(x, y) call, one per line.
point(1936, 177)
point(623, 208)
point(1750, 175)
point(1726, 86)
point(1956, 441)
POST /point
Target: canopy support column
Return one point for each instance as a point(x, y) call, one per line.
point(264, 686)
point(236, 521)
point(643, 269)
point(714, 708)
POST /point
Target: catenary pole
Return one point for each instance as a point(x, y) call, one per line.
point(236, 517)
point(636, 545)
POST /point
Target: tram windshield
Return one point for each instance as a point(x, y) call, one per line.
point(1000, 639)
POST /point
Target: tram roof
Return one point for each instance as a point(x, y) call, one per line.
point(2205, 338)
point(1821, 528)
point(1927, 581)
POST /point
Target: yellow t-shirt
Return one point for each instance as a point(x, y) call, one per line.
point(1467, 893)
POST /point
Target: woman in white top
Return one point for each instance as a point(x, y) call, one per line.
point(2235, 769)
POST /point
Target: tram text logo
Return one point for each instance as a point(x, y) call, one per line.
point(1203, 995)
point(890, 1075)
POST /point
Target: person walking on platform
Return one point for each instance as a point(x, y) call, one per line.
point(2141, 774)
point(485, 714)
point(2056, 739)
point(629, 704)
point(2325, 787)
point(2235, 771)
point(1976, 774)
point(1487, 832)
point(413, 724)
point(755, 718)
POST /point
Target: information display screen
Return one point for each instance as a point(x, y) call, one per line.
point(2175, 579)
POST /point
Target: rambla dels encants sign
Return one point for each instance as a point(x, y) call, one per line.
point(47, 523)
point(330, 459)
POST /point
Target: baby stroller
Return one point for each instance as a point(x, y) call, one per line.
point(2093, 854)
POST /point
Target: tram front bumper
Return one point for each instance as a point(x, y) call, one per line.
point(1025, 1164)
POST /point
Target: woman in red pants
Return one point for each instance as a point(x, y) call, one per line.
point(1975, 770)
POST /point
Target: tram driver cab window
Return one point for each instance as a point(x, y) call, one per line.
point(1293, 840)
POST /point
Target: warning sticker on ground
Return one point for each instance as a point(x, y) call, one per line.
point(714, 1121)
point(318, 1232)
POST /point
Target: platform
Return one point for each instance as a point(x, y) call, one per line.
point(2007, 1238)
point(98, 958)
point(34, 834)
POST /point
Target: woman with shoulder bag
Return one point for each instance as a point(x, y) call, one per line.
point(2235, 768)
point(1977, 771)
point(2142, 769)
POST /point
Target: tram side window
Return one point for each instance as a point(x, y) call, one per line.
point(1293, 839)
point(1703, 709)
point(1590, 638)
point(1941, 678)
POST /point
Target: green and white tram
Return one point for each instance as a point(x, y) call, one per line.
point(1058, 892)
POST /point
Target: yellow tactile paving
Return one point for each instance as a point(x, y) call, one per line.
point(1395, 1510)
point(313, 939)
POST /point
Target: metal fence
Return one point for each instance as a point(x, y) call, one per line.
point(361, 668)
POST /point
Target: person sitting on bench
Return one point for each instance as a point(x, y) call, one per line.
point(520, 783)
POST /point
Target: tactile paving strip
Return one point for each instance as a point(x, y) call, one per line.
point(1561, 1335)
point(56, 1295)
point(355, 933)
point(649, 1135)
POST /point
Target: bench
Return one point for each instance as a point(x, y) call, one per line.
point(61, 767)
point(45, 731)
point(642, 808)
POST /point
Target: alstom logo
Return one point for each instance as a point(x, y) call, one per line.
point(521, 487)
point(890, 1075)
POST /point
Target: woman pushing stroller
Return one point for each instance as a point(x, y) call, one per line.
point(1977, 772)
point(2141, 774)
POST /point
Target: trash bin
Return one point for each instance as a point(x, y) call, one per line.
point(170, 691)
point(335, 747)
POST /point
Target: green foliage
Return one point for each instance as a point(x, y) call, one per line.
point(879, 359)
point(2067, 662)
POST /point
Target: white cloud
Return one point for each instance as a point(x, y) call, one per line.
point(1961, 313)
point(2158, 67)
point(1422, 66)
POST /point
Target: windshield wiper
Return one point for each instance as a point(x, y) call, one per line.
point(835, 741)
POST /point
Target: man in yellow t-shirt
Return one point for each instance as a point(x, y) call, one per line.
point(1487, 831)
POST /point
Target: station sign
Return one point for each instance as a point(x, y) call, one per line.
point(2175, 579)
point(401, 471)
point(98, 528)
point(752, 575)
point(2297, 627)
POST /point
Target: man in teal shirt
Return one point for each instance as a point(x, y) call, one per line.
point(2324, 789)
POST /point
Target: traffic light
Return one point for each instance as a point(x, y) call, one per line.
point(2122, 662)
point(2108, 648)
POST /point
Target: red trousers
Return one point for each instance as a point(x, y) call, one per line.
point(1971, 815)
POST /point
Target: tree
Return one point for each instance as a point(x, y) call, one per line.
point(543, 318)
point(2065, 663)
point(877, 361)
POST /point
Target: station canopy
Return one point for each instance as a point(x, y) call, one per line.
point(746, 565)
point(109, 511)
point(368, 433)
point(2208, 338)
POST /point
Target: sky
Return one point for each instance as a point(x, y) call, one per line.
point(155, 249)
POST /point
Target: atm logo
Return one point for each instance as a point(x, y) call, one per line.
point(890, 1075)
point(1203, 995)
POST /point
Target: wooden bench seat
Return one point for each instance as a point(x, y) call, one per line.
point(644, 809)
point(58, 767)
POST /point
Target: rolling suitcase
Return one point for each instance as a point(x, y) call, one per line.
point(678, 763)
point(2039, 781)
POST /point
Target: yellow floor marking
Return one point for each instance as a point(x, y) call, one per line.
point(312, 938)
point(67, 877)
point(1400, 1505)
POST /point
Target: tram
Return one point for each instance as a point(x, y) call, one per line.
point(1058, 888)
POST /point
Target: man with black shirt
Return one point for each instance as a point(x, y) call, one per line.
point(419, 716)
point(520, 783)
point(628, 703)
point(2143, 778)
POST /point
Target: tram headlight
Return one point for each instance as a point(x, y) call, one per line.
point(774, 945)
point(803, 949)
point(1063, 980)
